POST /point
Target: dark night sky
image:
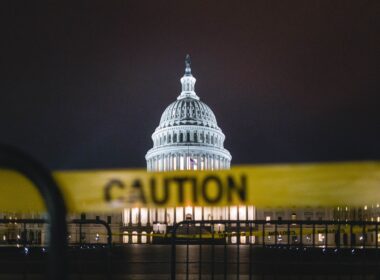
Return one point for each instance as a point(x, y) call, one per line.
point(84, 86)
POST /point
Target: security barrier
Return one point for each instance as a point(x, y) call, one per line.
point(354, 183)
point(327, 185)
point(41, 178)
point(23, 239)
point(235, 256)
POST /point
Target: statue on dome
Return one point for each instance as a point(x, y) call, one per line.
point(187, 61)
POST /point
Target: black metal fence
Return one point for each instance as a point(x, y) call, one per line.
point(217, 249)
point(258, 249)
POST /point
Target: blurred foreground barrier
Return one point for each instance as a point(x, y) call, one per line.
point(296, 185)
point(39, 181)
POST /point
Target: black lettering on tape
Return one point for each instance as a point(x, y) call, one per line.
point(233, 187)
point(181, 182)
point(195, 189)
point(154, 192)
point(109, 186)
point(138, 187)
point(219, 192)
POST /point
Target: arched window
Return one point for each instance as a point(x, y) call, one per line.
point(169, 138)
point(125, 237)
point(188, 136)
point(143, 237)
point(174, 137)
point(180, 137)
point(134, 236)
point(207, 139)
point(195, 137)
point(212, 139)
point(164, 139)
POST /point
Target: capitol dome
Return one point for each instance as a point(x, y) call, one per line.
point(188, 111)
point(188, 136)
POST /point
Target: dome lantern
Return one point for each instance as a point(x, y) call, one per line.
point(188, 82)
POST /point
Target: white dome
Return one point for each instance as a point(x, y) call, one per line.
point(188, 111)
point(188, 136)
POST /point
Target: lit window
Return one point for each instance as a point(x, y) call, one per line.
point(294, 216)
point(321, 237)
point(143, 237)
point(233, 238)
point(134, 236)
point(125, 237)
point(267, 218)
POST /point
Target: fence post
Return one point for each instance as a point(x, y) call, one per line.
point(173, 253)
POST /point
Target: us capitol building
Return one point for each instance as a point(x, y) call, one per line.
point(187, 138)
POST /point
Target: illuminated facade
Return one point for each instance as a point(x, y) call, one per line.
point(187, 138)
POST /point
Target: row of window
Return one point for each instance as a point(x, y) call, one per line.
point(174, 215)
point(187, 137)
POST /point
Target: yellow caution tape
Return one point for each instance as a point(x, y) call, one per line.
point(288, 185)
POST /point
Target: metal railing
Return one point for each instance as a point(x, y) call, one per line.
point(23, 240)
point(208, 249)
point(217, 249)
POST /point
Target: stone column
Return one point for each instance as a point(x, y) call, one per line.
point(169, 162)
point(185, 160)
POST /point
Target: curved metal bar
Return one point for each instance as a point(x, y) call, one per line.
point(11, 158)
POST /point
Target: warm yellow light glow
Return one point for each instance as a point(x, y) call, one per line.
point(189, 210)
point(143, 237)
point(233, 238)
point(135, 215)
point(321, 237)
point(134, 237)
point(233, 213)
point(125, 237)
point(144, 216)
